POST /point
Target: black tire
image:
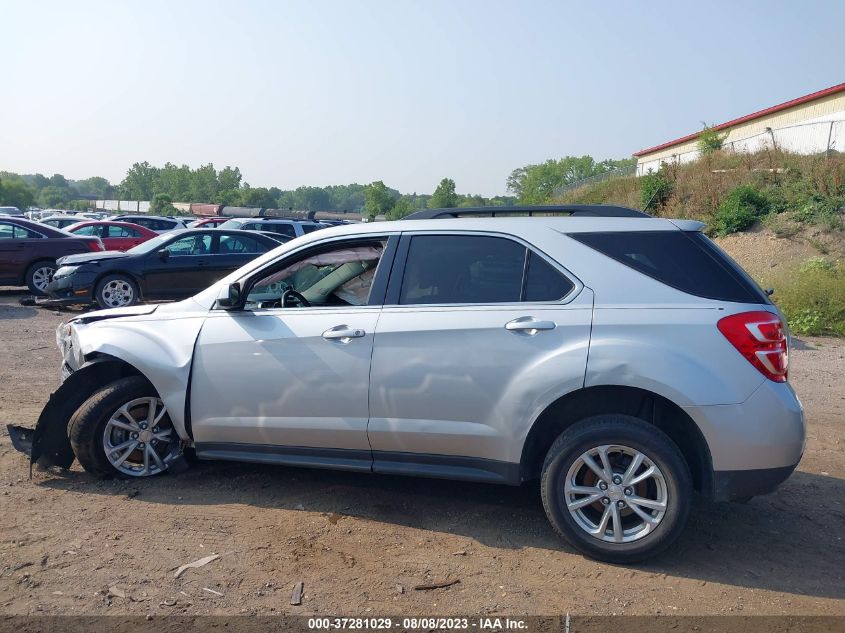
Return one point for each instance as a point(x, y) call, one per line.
point(88, 424)
point(35, 268)
point(104, 287)
point(630, 432)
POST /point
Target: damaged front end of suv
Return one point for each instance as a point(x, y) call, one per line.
point(123, 344)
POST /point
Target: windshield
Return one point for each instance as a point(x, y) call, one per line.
point(230, 224)
point(153, 244)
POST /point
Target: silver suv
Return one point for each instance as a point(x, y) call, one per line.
point(623, 360)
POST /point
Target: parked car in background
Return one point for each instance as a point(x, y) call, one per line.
point(29, 250)
point(622, 360)
point(208, 223)
point(155, 223)
point(173, 265)
point(10, 211)
point(290, 228)
point(60, 221)
point(116, 236)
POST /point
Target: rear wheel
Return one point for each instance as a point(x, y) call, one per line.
point(617, 488)
point(38, 275)
point(116, 291)
point(124, 430)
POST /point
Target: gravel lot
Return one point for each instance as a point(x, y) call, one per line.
point(70, 544)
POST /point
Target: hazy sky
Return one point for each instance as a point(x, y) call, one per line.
point(318, 93)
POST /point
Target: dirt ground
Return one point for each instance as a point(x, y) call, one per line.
point(70, 544)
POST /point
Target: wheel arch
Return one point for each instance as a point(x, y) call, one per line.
point(619, 399)
point(50, 443)
point(132, 276)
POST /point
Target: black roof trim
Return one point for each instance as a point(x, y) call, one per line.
point(579, 210)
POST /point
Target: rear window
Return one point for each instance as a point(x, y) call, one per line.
point(687, 261)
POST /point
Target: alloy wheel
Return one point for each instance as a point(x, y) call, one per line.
point(616, 493)
point(139, 439)
point(42, 276)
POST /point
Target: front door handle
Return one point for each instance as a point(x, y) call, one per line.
point(529, 325)
point(342, 333)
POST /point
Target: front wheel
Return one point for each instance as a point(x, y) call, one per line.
point(116, 291)
point(617, 488)
point(124, 430)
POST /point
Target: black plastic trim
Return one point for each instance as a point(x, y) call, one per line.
point(446, 467)
point(381, 462)
point(733, 485)
point(333, 458)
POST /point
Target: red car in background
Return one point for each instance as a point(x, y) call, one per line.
point(116, 236)
point(208, 223)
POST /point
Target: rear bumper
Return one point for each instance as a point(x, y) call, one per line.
point(763, 433)
point(733, 485)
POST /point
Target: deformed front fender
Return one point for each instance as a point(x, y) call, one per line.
point(50, 443)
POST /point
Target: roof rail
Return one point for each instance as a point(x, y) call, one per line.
point(578, 210)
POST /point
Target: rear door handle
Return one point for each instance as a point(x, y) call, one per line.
point(343, 333)
point(529, 325)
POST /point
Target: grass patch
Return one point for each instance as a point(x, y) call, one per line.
point(813, 297)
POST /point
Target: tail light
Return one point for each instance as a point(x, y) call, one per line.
point(95, 244)
point(761, 338)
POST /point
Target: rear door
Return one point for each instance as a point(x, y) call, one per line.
point(478, 334)
point(231, 251)
point(120, 238)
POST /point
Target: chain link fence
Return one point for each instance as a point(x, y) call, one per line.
point(803, 138)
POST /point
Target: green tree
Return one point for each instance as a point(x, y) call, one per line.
point(229, 178)
point(94, 186)
point(54, 197)
point(257, 197)
point(709, 140)
point(401, 208)
point(444, 197)
point(139, 183)
point(14, 192)
point(162, 204)
point(536, 184)
point(655, 188)
point(378, 200)
point(313, 199)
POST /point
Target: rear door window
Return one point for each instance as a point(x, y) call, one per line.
point(470, 269)
point(686, 261)
point(240, 244)
point(121, 231)
point(283, 229)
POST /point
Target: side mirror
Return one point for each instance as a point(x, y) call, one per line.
point(230, 297)
point(163, 254)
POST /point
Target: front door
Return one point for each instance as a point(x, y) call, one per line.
point(285, 379)
point(180, 272)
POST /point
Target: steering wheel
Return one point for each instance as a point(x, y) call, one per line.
point(292, 299)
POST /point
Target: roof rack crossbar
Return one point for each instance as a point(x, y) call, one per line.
point(575, 210)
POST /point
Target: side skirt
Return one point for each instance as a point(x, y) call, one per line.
point(380, 462)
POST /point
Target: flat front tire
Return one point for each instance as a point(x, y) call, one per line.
point(617, 488)
point(124, 430)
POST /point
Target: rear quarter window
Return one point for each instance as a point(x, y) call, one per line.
point(686, 261)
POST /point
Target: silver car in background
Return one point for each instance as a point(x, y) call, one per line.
point(622, 360)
